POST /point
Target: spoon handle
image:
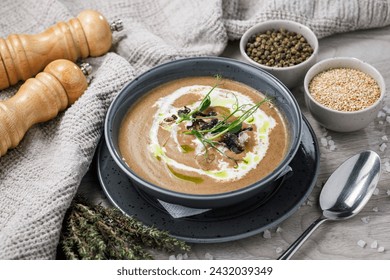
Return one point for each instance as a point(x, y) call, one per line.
point(305, 235)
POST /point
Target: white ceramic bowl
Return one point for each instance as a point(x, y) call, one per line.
point(338, 120)
point(291, 76)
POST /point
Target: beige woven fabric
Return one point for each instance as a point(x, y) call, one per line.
point(39, 178)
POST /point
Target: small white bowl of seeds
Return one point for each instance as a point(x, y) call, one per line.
point(344, 94)
point(286, 49)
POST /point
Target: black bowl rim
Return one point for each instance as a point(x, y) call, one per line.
point(201, 197)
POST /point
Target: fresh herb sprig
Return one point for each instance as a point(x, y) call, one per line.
point(209, 137)
point(204, 104)
point(236, 125)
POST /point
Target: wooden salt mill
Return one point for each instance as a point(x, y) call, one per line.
point(23, 56)
point(40, 99)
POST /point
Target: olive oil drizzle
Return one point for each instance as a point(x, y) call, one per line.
point(193, 179)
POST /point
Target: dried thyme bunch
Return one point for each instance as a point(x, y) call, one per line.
point(96, 232)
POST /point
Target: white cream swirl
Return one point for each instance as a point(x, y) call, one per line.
point(219, 97)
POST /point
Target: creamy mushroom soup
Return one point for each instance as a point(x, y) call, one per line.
point(203, 135)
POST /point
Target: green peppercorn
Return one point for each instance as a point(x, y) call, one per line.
point(278, 48)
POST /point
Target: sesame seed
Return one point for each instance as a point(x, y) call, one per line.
point(344, 89)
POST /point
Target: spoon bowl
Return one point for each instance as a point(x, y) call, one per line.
point(345, 193)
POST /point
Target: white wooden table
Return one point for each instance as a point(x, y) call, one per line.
point(333, 240)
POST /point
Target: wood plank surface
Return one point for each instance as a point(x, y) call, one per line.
point(333, 240)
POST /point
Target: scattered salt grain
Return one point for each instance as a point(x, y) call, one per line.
point(375, 209)
point(278, 250)
point(374, 245)
point(331, 142)
point(365, 220)
point(332, 147)
point(381, 249)
point(386, 109)
point(388, 192)
point(381, 122)
point(382, 147)
point(381, 114)
point(384, 138)
point(179, 257)
point(387, 166)
point(208, 256)
point(324, 142)
point(388, 119)
point(311, 201)
point(279, 229)
point(172, 257)
point(329, 137)
point(361, 243)
point(376, 191)
point(267, 234)
point(185, 256)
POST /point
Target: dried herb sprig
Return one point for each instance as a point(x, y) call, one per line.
point(96, 232)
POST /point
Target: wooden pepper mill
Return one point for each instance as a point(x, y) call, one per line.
point(40, 99)
point(23, 56)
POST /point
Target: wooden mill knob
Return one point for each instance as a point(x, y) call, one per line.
point(39, 99)
point(22, 56)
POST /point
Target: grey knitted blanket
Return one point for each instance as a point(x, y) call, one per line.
point(39, 178)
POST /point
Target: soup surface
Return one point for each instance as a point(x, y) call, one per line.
point(203, 135)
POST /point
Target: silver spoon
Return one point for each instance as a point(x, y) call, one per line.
point(345, 193)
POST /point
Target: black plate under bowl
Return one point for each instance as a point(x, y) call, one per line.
point(224, 224)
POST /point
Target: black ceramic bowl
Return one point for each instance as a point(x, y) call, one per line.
point(205, 66)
